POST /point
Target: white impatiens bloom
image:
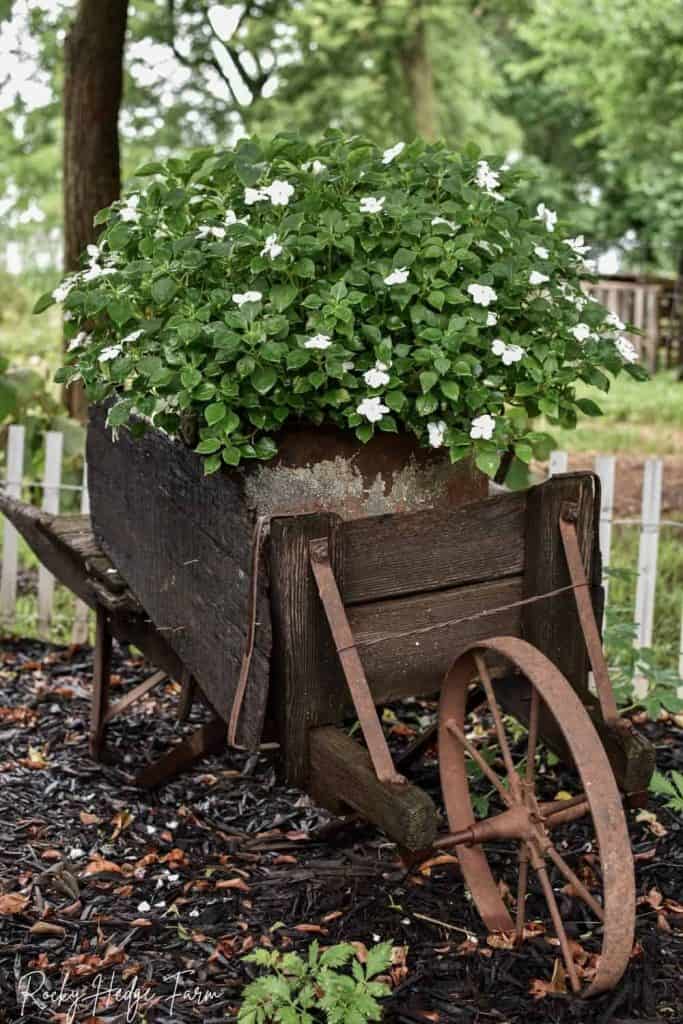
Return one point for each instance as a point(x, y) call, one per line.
point(541, 252)
point(318, 341)
point(449, 223)
point(372, 204)
point(614, 321)
point(62, 290)
point(397, 276)
point(581, 332)
point(207, 231)
point(548, 217)
point(109, 353)
point(134, 335)
point(482, 427)
point(240, 298)
point(232, 218)
point(577, 245)
point(536, 277)
point(626, 349)
point(481, 294)
point(372, 409)
point(390, 154)
point(487, 179)
point(95, 270)
point(130, 211)
point(377, 377)
point(314, 166)
point(491, 319)
point(348, 365)
point(255, 195)
point(81, 338)
point(272, 247)
point(508, 353)
point(144, 907)
point(280, 192)
point(437, 432)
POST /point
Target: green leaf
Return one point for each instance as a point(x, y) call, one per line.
point(283, 295)
point(190, 377)
point(148, 169)
point(231, 455)
point(120, 413)
point(163, 290)
point(451, 389)
point(212, 464)
point(488, 462)
point(395, 400)
point(44, 302)
point(208, 446)
point(263, 379)
point(379, 959)
point(427, 380)
point(524, 452)
point(588, 407)
point(214, 413)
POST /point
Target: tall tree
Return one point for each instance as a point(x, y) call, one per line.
point(93, 89)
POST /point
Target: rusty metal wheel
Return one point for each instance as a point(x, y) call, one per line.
point(528, 818)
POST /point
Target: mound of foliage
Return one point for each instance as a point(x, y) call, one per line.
point(399, 290)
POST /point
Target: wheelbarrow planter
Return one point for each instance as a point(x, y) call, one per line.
point(283, 613)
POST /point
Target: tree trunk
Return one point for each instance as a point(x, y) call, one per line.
point(419, 76)
point(93, 86)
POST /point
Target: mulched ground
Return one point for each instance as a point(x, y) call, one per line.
point(170, 889)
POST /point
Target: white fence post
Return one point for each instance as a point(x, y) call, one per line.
point(79, 632)
point(647, 560)
point(558, 463)
point(604, 467)
point(10, 543)
point(52, 480)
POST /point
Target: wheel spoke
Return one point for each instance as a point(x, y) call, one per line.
point(488, 771)
point(558, 925)
point(522, 882)
point(497, 718)
point(564, 815)
point(532, 742)
point(576, 883)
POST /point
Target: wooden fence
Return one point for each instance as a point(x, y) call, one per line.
point(651, 305)
point(650, 524)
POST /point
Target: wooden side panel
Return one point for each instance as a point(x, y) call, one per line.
point(416, 664)
point(411, 553)
point(553, 626)
point(183, 543)
point(308, 684)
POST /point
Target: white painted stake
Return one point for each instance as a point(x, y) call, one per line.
point(680, 658)
point(647, 559)
point(558, 463)
point(52, 479)
point(10, 543)
point(604, 467)
point(79, 632)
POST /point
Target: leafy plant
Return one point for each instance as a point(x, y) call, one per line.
point(407, 289)
point(303, 991)
point(671, 789)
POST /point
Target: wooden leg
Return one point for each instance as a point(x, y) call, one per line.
point(187, 695)
point(208, 739)
point(101, 678)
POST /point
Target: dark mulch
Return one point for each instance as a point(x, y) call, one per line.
point(171, 889)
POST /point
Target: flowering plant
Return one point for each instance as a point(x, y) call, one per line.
point(406, 289)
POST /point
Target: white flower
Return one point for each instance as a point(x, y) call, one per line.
point(95, 270)
point(318, 341)
point(144, 907)
point(536, 277)
point(81, 338)
point(109, 353)
point(613, 320)
point(62, 290)
point(487, 179)
point(626, 349)
point(370, 204)
point(436, 433)
point(449, 223)
point(377, 377)
point(581, 332)
point(232, 218)
point(398, 276)
point(347, 366)
point(549, 217)
point(206, 231)
point(315, 166)
point(491, 319)
point(576, 245)
point(390, 154)
point(76, 852)
point(372, 409)
point(272, 247)
point(280, 192)
point(508, 353)
point(130, 211)
point(69, 315)
point(541, 252)
point(483, 427)
point(255, 195)
point(481, 294)
point(240, 298)
point(134, 335)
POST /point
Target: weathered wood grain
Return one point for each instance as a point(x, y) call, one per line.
point(342, 776)
point(182, 541)
point(416, 664)
point(414, 552)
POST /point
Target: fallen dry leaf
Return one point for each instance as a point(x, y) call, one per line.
point(652, 822)
point(233, 883)
point(141, 922)
point(437, 862)
point(501, 940)
point(316, 929)
point(12, 903)
point(89, 819)
point(539, 989)
point(121, 821)
point(100, 866)
point(46, 928)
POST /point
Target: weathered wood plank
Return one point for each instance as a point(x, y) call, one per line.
point(415, 552)
point(183, 543)
point(342, 775)
point(208, 739)
point(416, 664)
point(308, 683)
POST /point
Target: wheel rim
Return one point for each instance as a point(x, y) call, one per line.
point(530, 823)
